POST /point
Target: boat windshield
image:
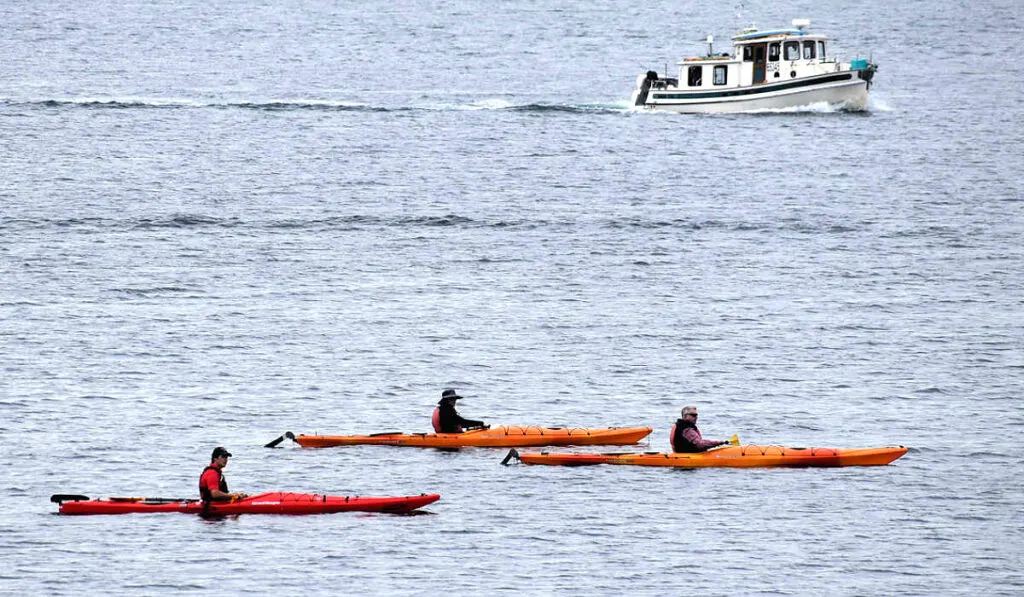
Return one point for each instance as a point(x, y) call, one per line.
point(808, 50)
point(792, 50)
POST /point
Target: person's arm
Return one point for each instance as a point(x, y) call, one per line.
point(219, 496)
point(212, 484)
point(467, 423)
point(697, 440)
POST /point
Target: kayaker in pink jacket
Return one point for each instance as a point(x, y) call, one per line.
point(686, 437)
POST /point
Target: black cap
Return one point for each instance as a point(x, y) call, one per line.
point(218, 452)
point(449, 395)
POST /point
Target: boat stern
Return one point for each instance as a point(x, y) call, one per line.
point(865, 70)
point(648, 81)
point(643, 87)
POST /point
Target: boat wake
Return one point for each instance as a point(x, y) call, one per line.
point(131, 102)
point(815, 108)
point(321, 105)
point(876, 104)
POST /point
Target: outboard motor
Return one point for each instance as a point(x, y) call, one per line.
point(645, 88)
point(865, 69)
point(868, 73)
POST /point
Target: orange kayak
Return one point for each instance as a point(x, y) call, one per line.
point(506, 436)
point(727, 456)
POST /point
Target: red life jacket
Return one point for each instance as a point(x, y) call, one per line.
point(204, 493)
point(435, 420)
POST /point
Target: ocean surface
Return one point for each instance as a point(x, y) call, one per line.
point(220, 221)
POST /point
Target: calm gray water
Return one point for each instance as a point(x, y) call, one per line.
point(224, 220)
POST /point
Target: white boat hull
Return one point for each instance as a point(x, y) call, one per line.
point(850, 95)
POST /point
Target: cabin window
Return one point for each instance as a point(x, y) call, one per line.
point(748, 54)
point(721, 74)
point(773, 52)
point(808, 50)
point(821, 50)
point(693, 76)
point(792, 50)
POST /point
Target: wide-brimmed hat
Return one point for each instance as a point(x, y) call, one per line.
point(450, 395)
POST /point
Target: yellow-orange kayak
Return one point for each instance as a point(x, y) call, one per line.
point(727, 456)
point(506, 436)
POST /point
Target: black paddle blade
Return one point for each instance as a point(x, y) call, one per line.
point(287, 434)
point(68, 497)
point(511, 454)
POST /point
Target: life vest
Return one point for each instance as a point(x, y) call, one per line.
point(437, 417)
point(679, 441)
point(204, 493)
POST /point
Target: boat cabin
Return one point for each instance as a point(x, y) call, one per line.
point(759, 57)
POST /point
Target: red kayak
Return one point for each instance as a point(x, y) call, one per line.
point(265, 503)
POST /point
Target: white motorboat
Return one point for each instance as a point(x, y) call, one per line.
point(768, 70)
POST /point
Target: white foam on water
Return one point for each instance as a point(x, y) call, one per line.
point(128, 101)
point(306, 102)
point(876, 104)
point(815, 108)
point(489, 104)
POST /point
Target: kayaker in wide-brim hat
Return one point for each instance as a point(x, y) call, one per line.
point(448, 420)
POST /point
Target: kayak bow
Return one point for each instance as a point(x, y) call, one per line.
point(506, 436)
point(264, 503)
point(726, 456)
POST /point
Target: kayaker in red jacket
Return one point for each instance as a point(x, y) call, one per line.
point(448, 420)
point(213, 487)
point(686, 437)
